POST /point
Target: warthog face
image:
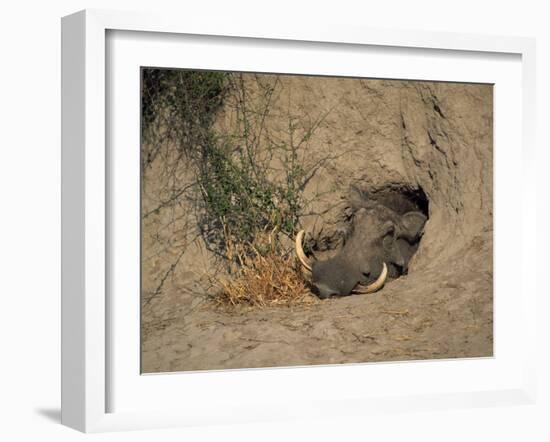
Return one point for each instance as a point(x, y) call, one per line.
point(380, 241)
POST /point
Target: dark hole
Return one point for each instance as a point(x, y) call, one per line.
point(401, 198)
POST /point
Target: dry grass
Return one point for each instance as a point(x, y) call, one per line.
point(268, 280)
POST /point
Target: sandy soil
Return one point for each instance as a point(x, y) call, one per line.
point(434, 135)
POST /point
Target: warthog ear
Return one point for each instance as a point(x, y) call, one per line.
point(411, 225)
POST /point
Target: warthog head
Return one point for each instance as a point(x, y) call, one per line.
point(380, 242)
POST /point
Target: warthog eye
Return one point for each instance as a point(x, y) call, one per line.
point(387, 242)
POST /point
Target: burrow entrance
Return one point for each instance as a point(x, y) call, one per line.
point(379, 225)
point(405, 202)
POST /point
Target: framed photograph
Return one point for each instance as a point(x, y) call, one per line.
point(264, 223)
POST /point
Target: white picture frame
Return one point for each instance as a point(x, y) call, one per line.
point(87, 355)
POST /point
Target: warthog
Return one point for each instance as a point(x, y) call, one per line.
point(380, 241)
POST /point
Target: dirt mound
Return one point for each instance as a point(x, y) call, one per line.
point(436, 137)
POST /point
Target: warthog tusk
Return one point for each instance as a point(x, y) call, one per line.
point(300, 250)
point(376, 285)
